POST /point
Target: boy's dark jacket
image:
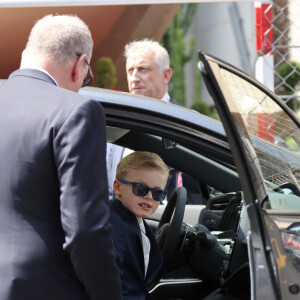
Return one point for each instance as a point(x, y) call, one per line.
point(129, 253)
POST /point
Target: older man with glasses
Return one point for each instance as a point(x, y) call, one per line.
point(55, 239)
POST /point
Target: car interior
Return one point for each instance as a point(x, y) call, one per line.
point(203, 226)
point(198, 227)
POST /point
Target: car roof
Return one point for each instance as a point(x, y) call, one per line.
point(154, 106)
point(146, 124)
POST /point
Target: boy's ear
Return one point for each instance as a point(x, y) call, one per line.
point(116, 186)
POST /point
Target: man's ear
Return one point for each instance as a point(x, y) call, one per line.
point(77, 67)
point(116, 186)
point(167, 75)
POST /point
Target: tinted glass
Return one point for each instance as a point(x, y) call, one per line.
point(272, 141)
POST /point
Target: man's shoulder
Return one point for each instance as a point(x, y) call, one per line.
point(74, 102)
point(175, 102)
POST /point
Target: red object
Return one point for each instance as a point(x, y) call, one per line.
point(265, 127)
point(264, 30)
point(179, 179)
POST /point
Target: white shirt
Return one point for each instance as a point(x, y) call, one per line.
point(146, 246)
point(166, 97)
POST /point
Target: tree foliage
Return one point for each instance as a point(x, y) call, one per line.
point(106, 73)
point(290, 74)
point(290, 77)
point(174, 42)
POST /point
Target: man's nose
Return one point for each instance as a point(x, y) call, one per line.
point(135, 75)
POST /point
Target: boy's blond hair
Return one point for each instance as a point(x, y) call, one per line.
point(141, 160)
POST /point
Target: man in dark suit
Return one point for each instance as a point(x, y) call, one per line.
point(55, 239)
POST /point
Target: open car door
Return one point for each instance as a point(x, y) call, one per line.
point(264, 137)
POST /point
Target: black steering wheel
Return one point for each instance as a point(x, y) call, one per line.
point(168, 231)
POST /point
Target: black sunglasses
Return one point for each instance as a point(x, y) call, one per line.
point(89, 79)
point(140, 189)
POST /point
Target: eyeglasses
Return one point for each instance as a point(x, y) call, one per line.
point(140, 189)
point(89, 79)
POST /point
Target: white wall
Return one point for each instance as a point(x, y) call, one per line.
point(294, 34)
point(217, 34)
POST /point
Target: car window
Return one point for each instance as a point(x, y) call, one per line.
point(271, 138)
point(274, 137)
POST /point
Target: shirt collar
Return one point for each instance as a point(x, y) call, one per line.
point(44, 71)
point(166, 97)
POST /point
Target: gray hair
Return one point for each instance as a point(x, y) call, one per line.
point(136, 48)
point(60, 37)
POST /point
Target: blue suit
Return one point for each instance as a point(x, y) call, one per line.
point(55, 239)
point(129, 252)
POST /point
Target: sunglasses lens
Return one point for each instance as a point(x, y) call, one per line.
point(158, 195)
point(87, 80)
point(89, 77)
point(140, 189)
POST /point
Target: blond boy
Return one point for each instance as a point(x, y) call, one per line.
point(139, 188)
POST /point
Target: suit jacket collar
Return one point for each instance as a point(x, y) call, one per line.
point(127, 216)
point(155, 260)
point(174, 102)
point(33, 73)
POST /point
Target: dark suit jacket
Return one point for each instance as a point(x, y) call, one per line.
point(55, 241)
point(129, 251)
point(174, 102)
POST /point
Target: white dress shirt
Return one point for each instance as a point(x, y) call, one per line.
point(166, 97)
point(146, 246)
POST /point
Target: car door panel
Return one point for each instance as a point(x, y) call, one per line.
point(263, 134)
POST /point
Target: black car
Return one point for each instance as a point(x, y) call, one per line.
point(239, 235)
